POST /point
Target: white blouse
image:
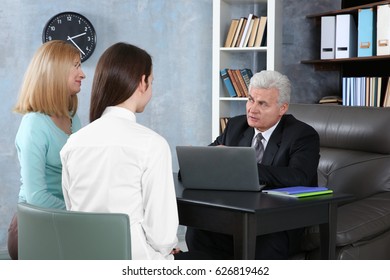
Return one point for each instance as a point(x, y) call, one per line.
point(116, 165)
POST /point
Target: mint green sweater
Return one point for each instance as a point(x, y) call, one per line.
point(38, 143)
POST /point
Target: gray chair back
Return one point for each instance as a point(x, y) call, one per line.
point(52, 234)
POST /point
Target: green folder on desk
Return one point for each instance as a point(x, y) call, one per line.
point(299, 191)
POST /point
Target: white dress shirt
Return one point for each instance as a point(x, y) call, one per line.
point(116, 165)
point(266, 135)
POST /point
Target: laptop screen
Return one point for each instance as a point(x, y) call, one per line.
point(218, 168)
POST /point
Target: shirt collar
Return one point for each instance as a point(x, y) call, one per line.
point(119, 112)
point(267, 134)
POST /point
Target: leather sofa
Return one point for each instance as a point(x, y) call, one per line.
point(355, 159)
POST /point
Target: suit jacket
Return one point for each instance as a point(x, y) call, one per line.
point(292, 153)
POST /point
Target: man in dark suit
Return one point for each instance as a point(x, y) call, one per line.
point(288, 156)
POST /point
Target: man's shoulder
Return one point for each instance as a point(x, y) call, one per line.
point(290, 122)
point(238, 119)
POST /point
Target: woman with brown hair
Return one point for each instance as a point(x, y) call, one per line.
point(115, 164)
point(48, 101)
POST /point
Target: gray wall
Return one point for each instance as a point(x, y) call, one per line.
point(177, 33)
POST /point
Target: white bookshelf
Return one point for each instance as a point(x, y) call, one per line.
point(257, 59)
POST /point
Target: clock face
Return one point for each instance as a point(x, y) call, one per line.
point(73, 28)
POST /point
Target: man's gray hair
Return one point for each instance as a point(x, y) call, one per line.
point(272, 79)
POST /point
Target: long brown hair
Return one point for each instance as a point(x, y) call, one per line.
point(45, 86)
point(117, 76)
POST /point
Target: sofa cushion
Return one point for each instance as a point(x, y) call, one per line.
point(357, 222)
point(346, 127)
point(363, 219)
point(354, 172)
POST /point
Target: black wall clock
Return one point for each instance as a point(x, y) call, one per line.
point(73, 28)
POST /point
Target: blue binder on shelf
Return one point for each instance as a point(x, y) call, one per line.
point(228, 83)
point(366, 32)
point(346, 36)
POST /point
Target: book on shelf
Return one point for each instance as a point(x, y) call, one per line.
point(231, 32)
point(252, 36)
point(365, 91)
point(241, 85)
point(384, 95)
point(356, 91)
point(246, 31)
point(223, 123)
point(241, 32)
point(248, 35)
point(247, 74)
point(299, 191)
point(261, 32)
point(237, 33)
point(228, 83)
point(235, 82)
point(378, 92)
point(241, 80)
point(386, 99)
point(331, 99)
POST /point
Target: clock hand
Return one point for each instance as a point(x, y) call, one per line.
point(76, 45)
point(81, 34)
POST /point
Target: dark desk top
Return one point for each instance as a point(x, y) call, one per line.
point(247, 201)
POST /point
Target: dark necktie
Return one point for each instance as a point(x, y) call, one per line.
point(259, 147)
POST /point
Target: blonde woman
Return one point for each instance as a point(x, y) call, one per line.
point(48, 101)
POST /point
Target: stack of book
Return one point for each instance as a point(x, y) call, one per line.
point(331, 99)
point(236, 81)
point(366, 91)
point(247, 31)
point(223, 123)
point(299, 191)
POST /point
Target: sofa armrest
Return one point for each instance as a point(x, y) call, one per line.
point(363, 219)
point(359, 220)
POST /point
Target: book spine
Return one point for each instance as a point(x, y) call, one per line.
point(247, 75)
point(242, 82)
point(231, 32)
point(234, 82)
point(241, 32)
point(228, 83)
point(255, 26)
point(246, 30)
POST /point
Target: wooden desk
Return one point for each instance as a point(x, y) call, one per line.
point(246, 215)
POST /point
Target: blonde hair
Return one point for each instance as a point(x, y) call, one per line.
point(45, 86)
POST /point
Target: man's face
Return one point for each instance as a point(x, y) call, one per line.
point(262, 108)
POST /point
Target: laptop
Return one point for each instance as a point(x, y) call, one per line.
point(218, 168)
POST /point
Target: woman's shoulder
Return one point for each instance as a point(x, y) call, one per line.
point(34, 119)
point(34, 116)
point(150, 135)
point(32, 127)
